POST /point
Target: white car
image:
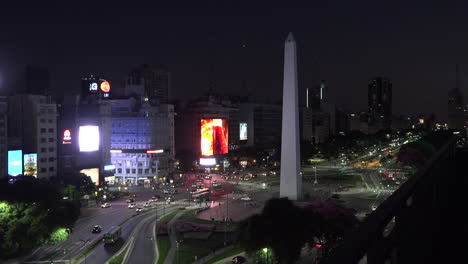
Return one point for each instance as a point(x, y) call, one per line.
point(132, 205)
point(246, 198)
point(138, 209)
point(146, 204)
point(105, 205)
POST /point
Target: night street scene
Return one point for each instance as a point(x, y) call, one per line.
point(219, 132)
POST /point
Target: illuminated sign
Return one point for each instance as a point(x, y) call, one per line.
point(243, 131)
point(88, 138)
point(15, 162)
point(214, 137)
point(207, 161)
point(153, 151)
point(30, 165)
point(93, 173)
point(109, 167)
point(93, 87)
point(66, 137)
point(115, 151)
point(105, 86)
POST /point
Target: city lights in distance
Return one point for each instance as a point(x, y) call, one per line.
point(214, 137)
point(88, 138)
point(207, 161)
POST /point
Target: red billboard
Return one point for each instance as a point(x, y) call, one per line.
point(214, 137)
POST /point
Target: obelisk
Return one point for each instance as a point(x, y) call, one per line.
point(291, 179)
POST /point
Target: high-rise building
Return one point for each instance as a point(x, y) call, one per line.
point(380, 103)
point(142, 141)
point(3, 136)
point(318, 117)
point(33, 119)
point(456, 112)
point(37, 80)
point(149, 82)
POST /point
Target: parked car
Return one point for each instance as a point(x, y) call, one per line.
point(238, 259)
point(96, 229)
point(105, 205)
point(139, 209)
point(132, 205)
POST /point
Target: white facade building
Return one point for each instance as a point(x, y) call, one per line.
point(142, 140)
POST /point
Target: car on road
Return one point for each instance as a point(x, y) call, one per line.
point(208, 177)
point(374, 207)
point(96, 229)
point(194, 185)
point(166, 191)
point(139, 209)
point(130, 200)
point(246, 198)
point(238, 259)
point(105, 205)
point(132, 205)
point(169, 198)
point(200, 180)
point(154, 198)
point(146, 204)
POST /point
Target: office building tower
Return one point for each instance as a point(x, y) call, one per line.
point(33, 119)
point(142, 141)
point(380, 103)
point(149, 82)
point(37, 80)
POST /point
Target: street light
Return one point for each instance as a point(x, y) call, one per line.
point(315, 173)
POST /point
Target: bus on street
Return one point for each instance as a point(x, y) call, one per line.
point(112, 235)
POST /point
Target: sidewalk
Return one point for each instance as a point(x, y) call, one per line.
point(171, 254)
point(210, 256)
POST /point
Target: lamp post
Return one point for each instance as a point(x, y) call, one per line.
point(315, 173)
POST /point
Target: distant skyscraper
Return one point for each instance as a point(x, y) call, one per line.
point(149, 82)
point(380, 103)
point(37, 80)
point(291, 179)
point(456, 113)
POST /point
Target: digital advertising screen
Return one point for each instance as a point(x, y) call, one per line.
point(214, 137)
point(93, 173)
point(207, 161)
point(15, 162)
point(30, 164)
point(243, 131)
point(88, 138)
point(66, 137)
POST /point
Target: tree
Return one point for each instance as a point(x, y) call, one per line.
point(335, 221)
point(281, 226)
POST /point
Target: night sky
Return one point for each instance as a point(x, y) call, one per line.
point(415, 45)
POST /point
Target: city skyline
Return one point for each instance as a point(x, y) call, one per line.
point(239, 48)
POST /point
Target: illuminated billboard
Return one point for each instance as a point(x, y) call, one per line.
point(88, 138)
point(214, 137)
point(243, 131)
point(207, 161)
point(15, 162)
point(30, 165)
point(66, 137)
point(93, 173)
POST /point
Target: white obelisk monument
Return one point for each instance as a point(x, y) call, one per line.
point(291, 179)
